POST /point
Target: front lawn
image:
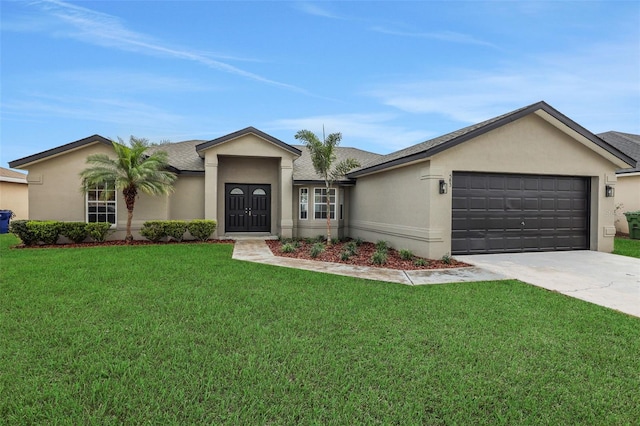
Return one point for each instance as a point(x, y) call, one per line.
point(182, 334)
point(627, 247)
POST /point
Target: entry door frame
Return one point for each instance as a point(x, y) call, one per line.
point(249, 211)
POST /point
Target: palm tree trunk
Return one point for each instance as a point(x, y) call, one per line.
point(129, 237)
point(328, 215)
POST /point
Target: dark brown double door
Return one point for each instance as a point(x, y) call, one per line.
point(247, 207)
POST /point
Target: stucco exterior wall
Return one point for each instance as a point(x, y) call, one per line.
point(628, 198)
point(404, 207)
point(187, 200)
point(15, 197)
point(54, 185)
point(393, 206)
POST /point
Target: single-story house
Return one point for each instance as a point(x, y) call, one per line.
point(528, 180)
point(14, 193)
point(628, 185)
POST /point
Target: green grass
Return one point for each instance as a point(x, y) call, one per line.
point(182, 334)
point(627, 247)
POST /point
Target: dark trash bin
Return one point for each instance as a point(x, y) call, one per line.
point(5, 217)
point(633, 219)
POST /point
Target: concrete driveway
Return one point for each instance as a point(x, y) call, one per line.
point(605, 279)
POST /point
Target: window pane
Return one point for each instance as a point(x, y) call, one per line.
point(101, 205)
point(259, 191)
point(237, 191)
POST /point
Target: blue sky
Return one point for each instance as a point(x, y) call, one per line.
point(385, 74)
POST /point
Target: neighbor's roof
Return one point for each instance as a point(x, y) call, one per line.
point(303, 170)
point(431, 147)
point(7, 175)
point(627, 143)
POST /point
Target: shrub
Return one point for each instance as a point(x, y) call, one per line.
point(420, 262)
point(316, 249)
point(20, 229)
point(382, 246)
point(351, 247)
point(201, 229)
point(288, 248)
point(46, 231)
point(345, 255)
point(98, 231)
point(446, 259)
point(358, 241)
point(75, 231)
point(175, 229)
point(154, 230)
point(406, 254)
point(379, 257)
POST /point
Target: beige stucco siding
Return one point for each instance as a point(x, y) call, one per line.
point(627, 199)
point(393, 206)
point(54, 185)
point(14, 196)
point(187, 200)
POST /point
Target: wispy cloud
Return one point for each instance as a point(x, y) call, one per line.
point(594, 86)
point(446, 36)
point(106, 30)
point(315, 10)
point(374, 131)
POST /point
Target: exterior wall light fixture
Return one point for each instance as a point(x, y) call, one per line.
point(442, 186)
point(609, 191)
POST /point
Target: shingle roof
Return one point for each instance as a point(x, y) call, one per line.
point(439, 144)
point(246, 131)
point(303, 167)
point(182, 155)
point(627, 143)
point(8, 175)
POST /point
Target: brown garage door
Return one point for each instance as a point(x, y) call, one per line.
point(502, 213)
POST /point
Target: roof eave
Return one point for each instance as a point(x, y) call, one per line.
point(24, 162)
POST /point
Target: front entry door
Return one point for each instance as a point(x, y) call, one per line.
point(247, 208)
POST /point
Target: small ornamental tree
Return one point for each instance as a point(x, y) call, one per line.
point(323, 157)
point(132, 171)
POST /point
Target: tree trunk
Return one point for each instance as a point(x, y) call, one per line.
point(129, 193)
point(328, 215)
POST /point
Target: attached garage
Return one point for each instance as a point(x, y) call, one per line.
point(526, 181)
point(508, 213)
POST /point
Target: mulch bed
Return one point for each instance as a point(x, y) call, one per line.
point(120, 243)
point(362, 258)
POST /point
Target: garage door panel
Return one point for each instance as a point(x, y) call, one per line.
point(519, 213)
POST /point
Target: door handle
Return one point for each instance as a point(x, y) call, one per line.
point(522, 223)
point(249, 212)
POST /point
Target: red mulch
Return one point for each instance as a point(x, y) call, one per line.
point(121, 243)
point(362, 258)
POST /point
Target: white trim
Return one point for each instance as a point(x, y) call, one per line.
point(623, 175)
point(306, 204)
point(106, 202)
point(327, 194)
point(13, 180)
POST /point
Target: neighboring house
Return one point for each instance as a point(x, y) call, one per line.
point(14, 193)
point(528, 180)
point(628, 185)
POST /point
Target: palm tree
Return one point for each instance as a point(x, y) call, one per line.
point(323, 157)
point(131, 171)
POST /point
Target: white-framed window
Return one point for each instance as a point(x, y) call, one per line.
point(101, 204)
point(304, 203)
point(320, 203)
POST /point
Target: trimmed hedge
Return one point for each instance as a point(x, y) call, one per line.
point(156, 230)
point(47, 231)
point(20, 229)
point(99, 231)
point(201, 229)
point(75, 231)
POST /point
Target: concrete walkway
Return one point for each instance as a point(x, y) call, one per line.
point(602, 278)
point(257, 251)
